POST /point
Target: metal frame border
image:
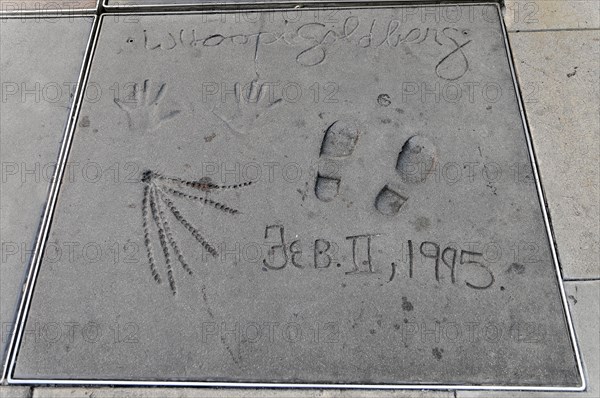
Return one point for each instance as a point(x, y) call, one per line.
point(51, 13)
point(37, 257)
point(31, 268)
point(243, 5)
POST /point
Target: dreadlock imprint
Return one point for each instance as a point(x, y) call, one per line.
point(158, 207)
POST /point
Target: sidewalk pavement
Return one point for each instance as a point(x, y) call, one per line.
point(555, 46)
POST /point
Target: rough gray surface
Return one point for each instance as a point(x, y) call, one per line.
point(584, 301)
point(365, 301)
point(562, 100)
point(48, 7)
point(15, 392)
point(529, 15)
point(40, 64)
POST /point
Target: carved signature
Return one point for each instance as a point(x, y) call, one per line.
point(316, 41)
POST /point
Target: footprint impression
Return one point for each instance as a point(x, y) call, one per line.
point(338, 143)
point(416, 161)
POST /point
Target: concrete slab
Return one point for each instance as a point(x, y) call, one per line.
point(228, 393)
point(15, 392)
point(558, 73)
point(40, 66)
point(526, 15)
point(48, 7)
point(285, 200)
point(584, 301)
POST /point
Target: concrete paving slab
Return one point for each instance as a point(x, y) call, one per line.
point(558, 73)
point(584, 301)
point(526, 15)
point(228, 393)
point(50, 7)
point(40, 65)
point(276, 201)
point(15, 392)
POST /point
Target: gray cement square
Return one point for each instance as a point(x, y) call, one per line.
point(538, 15)
point(48, 8)
point(40, 63)
point(584, 301)
point(559, 77)
point(15, 392)
point(299, 199)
